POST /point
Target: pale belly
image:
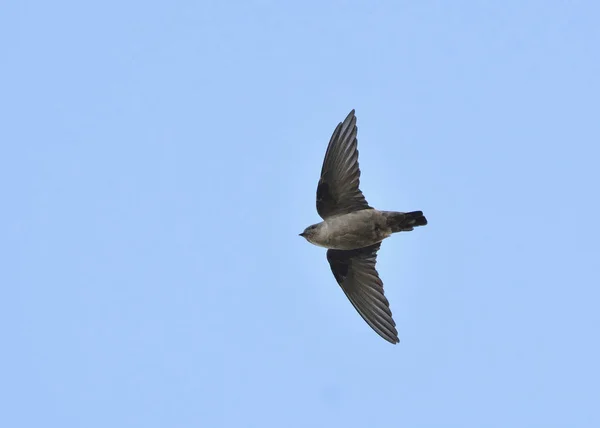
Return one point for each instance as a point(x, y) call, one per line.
point(355, 230)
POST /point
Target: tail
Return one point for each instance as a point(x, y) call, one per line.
point(405, 222)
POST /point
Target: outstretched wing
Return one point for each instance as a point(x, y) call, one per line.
point(355, 271)
point(338, 192)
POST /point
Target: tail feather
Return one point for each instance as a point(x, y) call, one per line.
point(405, 222)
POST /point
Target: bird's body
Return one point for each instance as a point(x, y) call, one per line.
point(352, 230)
point(357, 229)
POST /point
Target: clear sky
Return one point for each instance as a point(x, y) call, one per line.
point(158, 160)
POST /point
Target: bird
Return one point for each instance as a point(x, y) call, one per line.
point(352, 231)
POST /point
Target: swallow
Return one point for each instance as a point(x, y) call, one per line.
point(352, 231)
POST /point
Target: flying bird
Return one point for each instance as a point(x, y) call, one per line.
point(352, 230)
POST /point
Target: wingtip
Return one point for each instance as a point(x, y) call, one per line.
point(392, 339)
point(350, 115)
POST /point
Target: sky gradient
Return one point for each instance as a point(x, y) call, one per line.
point(158, 160)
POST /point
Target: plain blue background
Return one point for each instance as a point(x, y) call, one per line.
point(159, 159)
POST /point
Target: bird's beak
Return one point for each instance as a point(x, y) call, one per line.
point(301, 234)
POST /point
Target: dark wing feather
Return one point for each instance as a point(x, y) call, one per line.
point(338, 192)
point(355, 271)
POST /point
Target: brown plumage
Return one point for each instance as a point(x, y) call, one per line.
point(352, 230)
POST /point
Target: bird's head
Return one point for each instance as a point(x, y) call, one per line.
point(309, 232)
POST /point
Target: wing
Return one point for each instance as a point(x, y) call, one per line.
point(355, 271)
point(338, 192)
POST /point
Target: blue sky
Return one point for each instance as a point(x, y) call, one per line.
point(159, 159)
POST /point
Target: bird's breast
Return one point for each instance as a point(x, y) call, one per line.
point(354, 230)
